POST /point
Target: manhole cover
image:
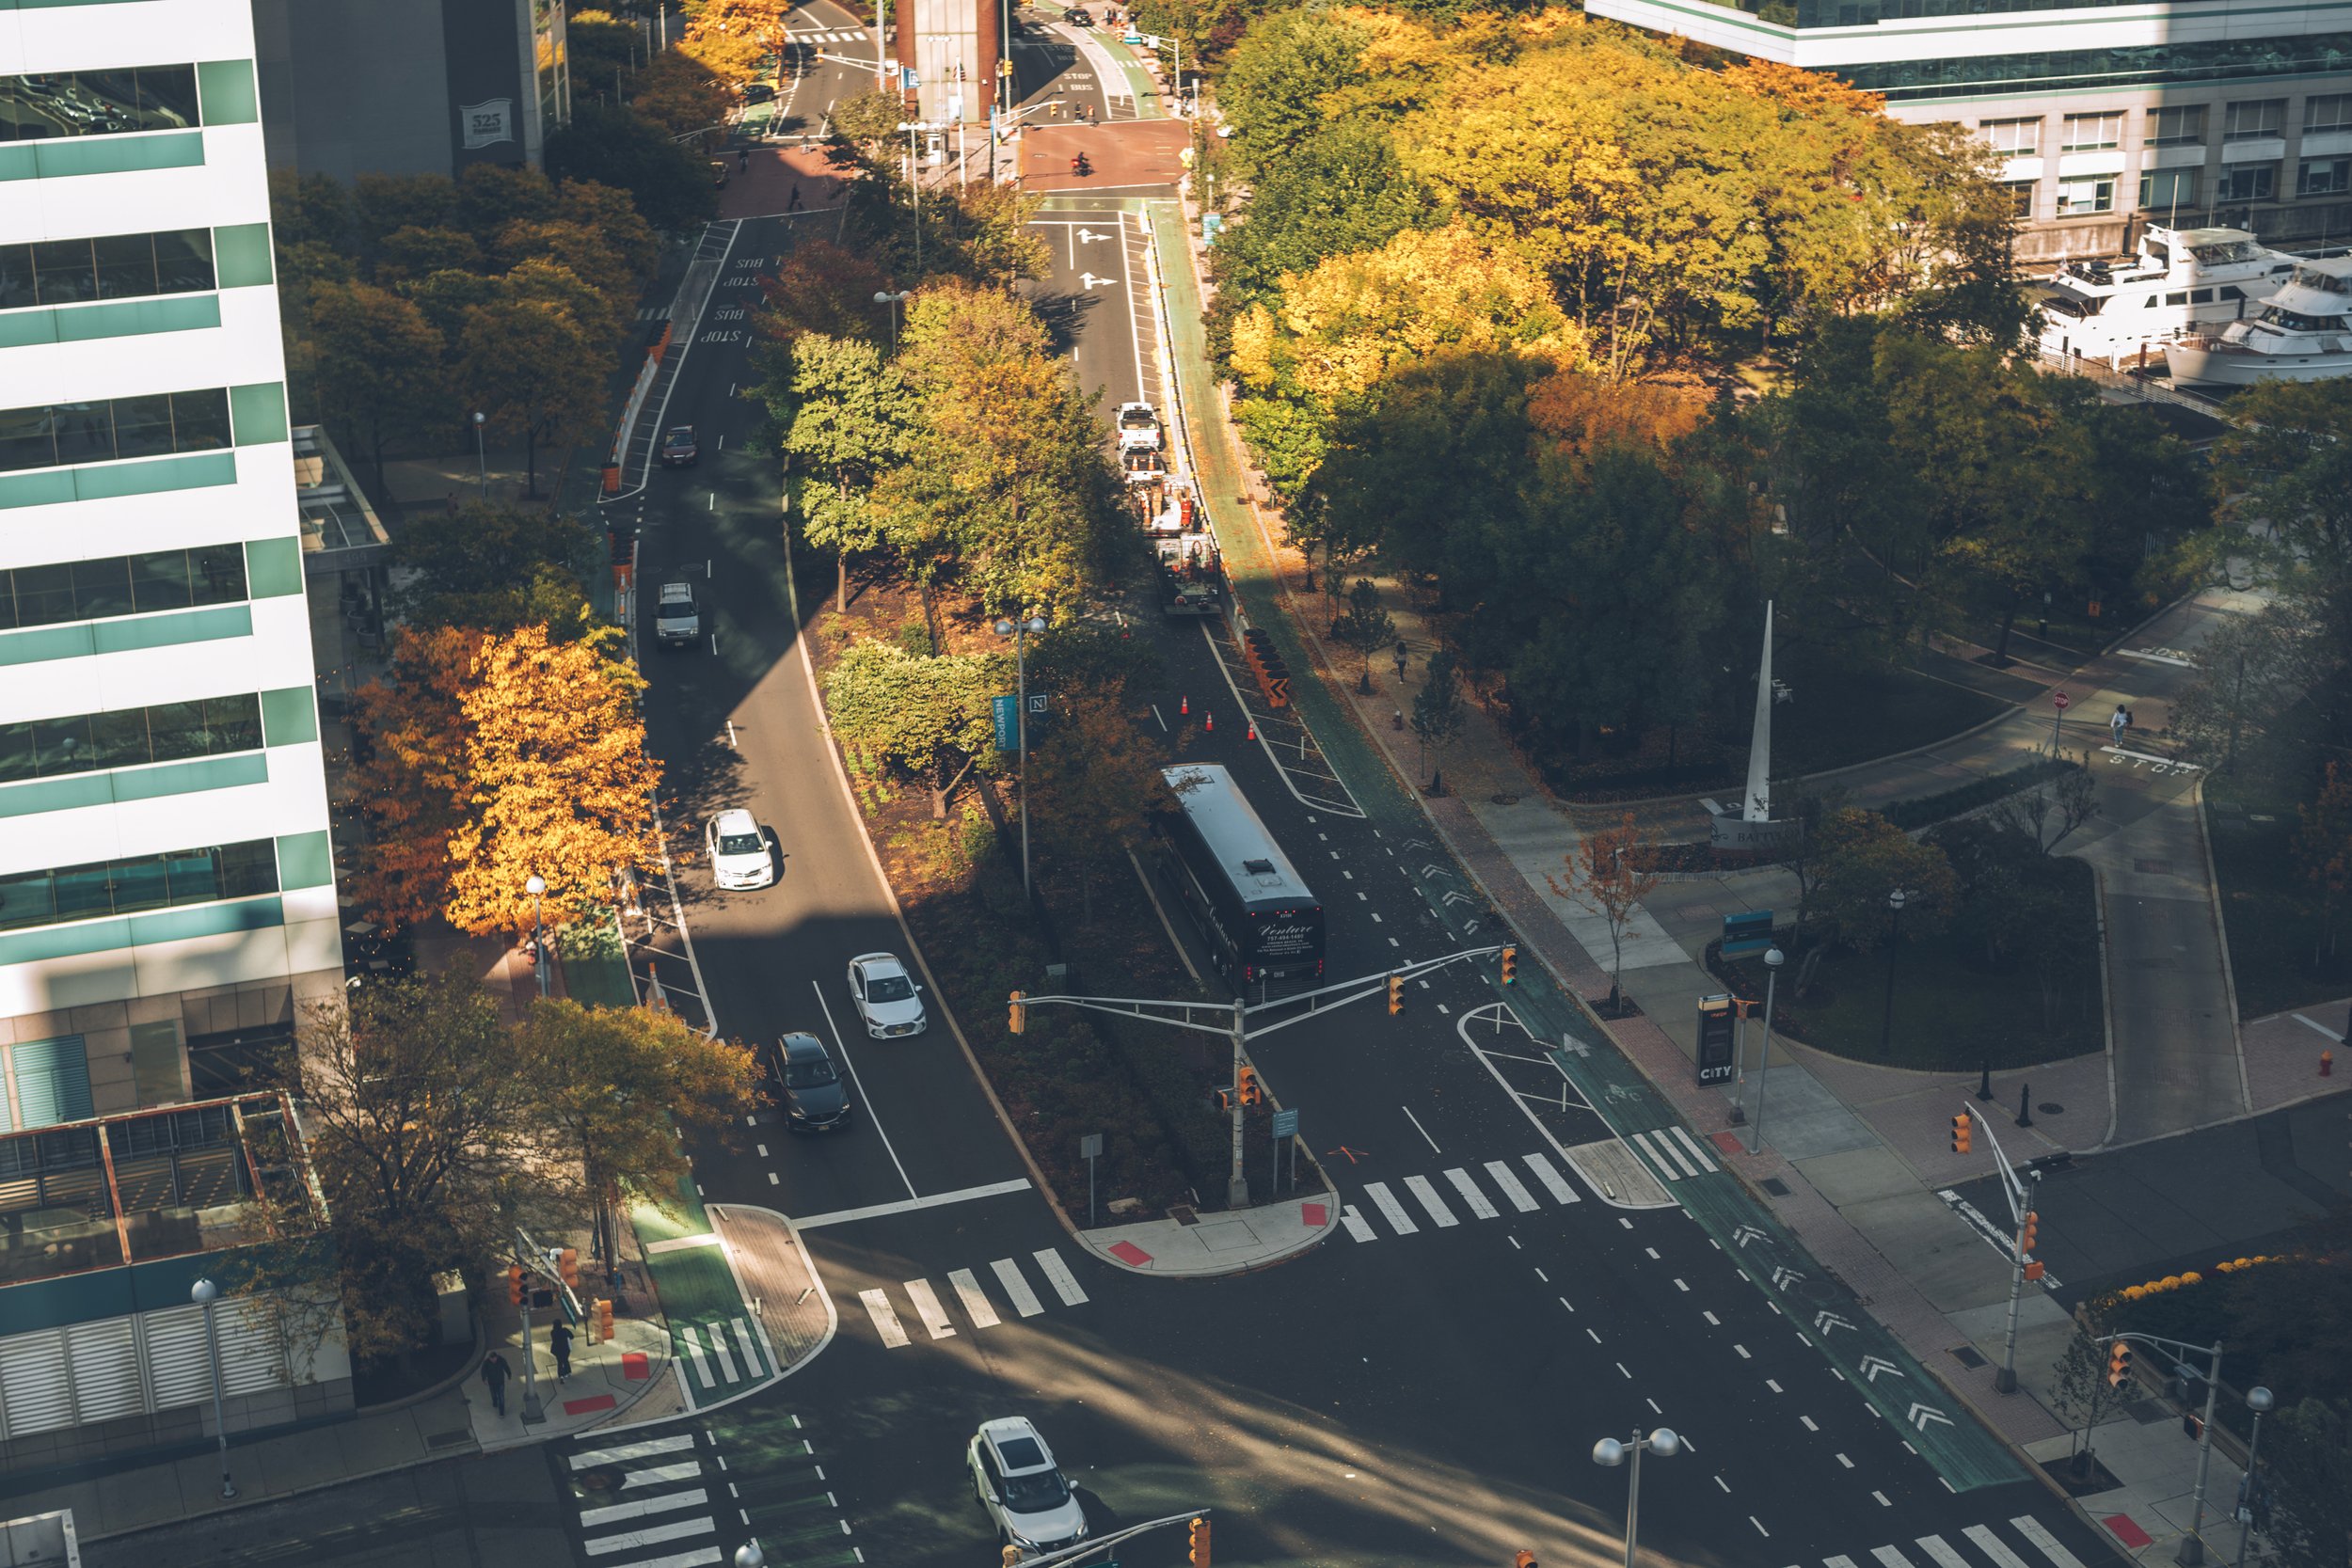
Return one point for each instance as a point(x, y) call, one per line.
point(2051, 1108)
point(1505, 799)
point(1775, 1187)
point(1967, 1356)
point(2155, 868)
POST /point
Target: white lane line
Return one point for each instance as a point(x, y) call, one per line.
point(1713, 1321)
point(687, 1337)
point(885, 1320)
point(927, 1307)
point(1513, 1188)
point(1837, 1562)
point(1356, 1225)
point(632, 1539)
point(1058, 1274)
point(646, 1449)
point(1882, 1498)
point(1479, 1207)
point(1419, 1129)
point(843, 1052)
point(1016, 1286)
point(1427, 1197)
point(661, 1474)
point(1680, 1286)
point(1725, 1485)
point(975, 1302)
point(591, 1518)
point(1549, 1174)
point(1697, 1150)
point(1847, 1463)
point(1809, 1423)
point(909, 1205)
point(700, 1557)
point(1891, 1558)
point(1943, 1551)
point(2044, 1542)
point(1992, 1546)
point(1760, 1526)
point(1391, 1210)
point(750, 1345)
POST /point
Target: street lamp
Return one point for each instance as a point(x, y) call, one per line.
point(914, 188)
point(1773, 959)
point(1611, 1453)
point(2258, 1400)
point(1893, 940)
point(1020, 632)
point(481, 456)
point(204, 1292)
point(536, 887)
point(749, 1556)
point(894, 301)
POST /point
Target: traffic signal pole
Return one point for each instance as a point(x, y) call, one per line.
point(1236, 1180)
point(2022, 1216)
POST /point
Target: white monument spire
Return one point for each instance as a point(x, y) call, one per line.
point(1759, 806)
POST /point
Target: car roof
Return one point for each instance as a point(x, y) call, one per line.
point(676, 591)
point(804, 1046)
point(735, 819)
point(1008, 1429)
point(883, 962)
point(679, 430)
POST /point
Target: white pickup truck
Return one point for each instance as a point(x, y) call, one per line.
point(1139, 428)
point(676, 618)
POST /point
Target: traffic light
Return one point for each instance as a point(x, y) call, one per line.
point(1963, 1133)
point(1250, 1092)
point(1020, 1012)
point(514, 1285)
point(1511, 977)
point(2119, 1365)
point(1199, 1544)
point(2026, 1232)
point(1396, 994)
point(568, 1266)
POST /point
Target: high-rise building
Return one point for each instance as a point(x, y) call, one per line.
point(166, 877)
point(2101, 113)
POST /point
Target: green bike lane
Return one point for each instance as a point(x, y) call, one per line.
point(1820, 1307)
point(718, 1342)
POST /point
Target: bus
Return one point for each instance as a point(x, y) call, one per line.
point(1255, 911)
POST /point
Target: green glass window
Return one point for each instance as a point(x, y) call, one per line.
point(66, 434)
point(126, 886)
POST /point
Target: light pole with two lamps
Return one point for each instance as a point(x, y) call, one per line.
point(538, 887)
point(1021, 631)
point(204, 1292)
point(2258, 1400)
point(481, 452)
point(894, 301)
point(1608, 1452)
point(1773, 959)
point(1894, 939)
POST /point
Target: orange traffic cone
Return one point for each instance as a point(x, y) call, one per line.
point(1184, 705)
point(1208, 722)
point(1251, 732)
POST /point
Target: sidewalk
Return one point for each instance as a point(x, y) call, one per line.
point(1238, 1241)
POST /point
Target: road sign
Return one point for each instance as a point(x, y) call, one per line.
point(1091, 1146)
point(2058, 701)
point(1750, 932)
point(1714, 1064)
point(1286, 1124)
point(1006, 712)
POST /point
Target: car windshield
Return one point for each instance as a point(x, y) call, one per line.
point(888, 988)
point(807, 1073)
point(1036, 1492)
point(681, 438)
point(739, 844)
point(1137, 419)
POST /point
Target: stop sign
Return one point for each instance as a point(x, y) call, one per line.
point(2058, 701)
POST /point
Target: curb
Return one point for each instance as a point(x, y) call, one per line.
point(2221, 937)
point(1304, 1244)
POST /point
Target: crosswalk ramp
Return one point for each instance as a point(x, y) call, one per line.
point(689, 1494)
point(720, 1355)
point(2025, 1543)
point(1491, 1190)
point(976, 1297)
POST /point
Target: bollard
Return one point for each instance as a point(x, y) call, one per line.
point(2025, 1107)
point(2326, 1064)
point(1396, 720)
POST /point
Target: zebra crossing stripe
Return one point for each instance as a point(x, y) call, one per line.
point(1837, 1562)
point(1664, 1167)
point(1992, 1546)
point(701, 1559)
point(1391, 1210)
point(590, 1518)
point(1479, 1207)
point(750, 1348)
point(885, 1320)
point(694, 1356)
point(646, 1449)
point(1673, 1151)
point(1356, 1225)
point(1058, 1274)
point(2044, 1542)
point(718, 1348)
point(927, 1308)
point(1513, 1188)
point(1943, 1551)
point(1418, 1186)
point(1698, 1150)
point(976, 1305)
point(632, 1539)
point(1891, 1558)
point(1017, 1288)
point(661, 1474)
point(1554, 1183)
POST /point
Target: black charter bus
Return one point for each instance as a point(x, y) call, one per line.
point(1250, 903)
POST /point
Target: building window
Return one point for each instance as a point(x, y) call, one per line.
point(113, 267)
point(72, 433)
point(2324, 177)
point(2020, 198)
point(2182, 125)
point(2327, 111)
point(121, 585)
point(130, 738)
point(2089, 194)
point(2254, 120)
point(2248, 182)
point(2012, 138)
point(2168, 65)
point(126, 886)
point(97, 103)
point(2164, 190)
point(2094, 133)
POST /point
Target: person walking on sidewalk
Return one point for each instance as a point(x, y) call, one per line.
point(560, 1342)
point(794, 205)
point(1402, 653)
point(495, 1372)
point(2120, 722)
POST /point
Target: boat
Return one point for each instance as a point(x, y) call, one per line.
point(2303, 333)
point(2178, 281)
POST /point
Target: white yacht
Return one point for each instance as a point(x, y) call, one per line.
point(2180, 280)
point(2303, 333)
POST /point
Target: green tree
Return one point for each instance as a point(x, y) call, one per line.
point(2323, 853)
point(1093, 781)
point(1606, 878)
point(2083, 1395)
point(846, 415)
point(1273, 90)
point(1438, 710)
point(1366, 627)
point(498, 568)
point(869, 119)
point(602, 50)
point(927, 718)
point(378, 363)
point(1862, 859)
point(1340, 190)
point(2309, 1469)
point(535, 368)
point(668, 182)
point(2265, 696)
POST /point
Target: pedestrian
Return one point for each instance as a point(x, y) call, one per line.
point(794, 205)
point(743, 159)
point(1402, 654)
point(495, 1372)
point(560, 1342)
point(2120, 722)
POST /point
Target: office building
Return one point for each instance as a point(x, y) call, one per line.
point(2103, 116)
point(166, 880)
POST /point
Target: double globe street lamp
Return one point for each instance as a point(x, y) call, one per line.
point(1612, 1453)
point(1021, 631)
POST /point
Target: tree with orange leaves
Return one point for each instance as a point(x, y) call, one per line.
point(1604, 879)
point(409, 776)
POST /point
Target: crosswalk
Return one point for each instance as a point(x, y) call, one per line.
point(2040, 1548)
point(1509, 1183)
point(653, 313)
point(719, 1352)
point(846, 35)
point(930, 1311)
point(1672, 1152)
point(687, 1494)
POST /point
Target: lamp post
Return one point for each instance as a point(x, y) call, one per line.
point(894, 301)
point(1893, 940)
point(481, 453)
point(1020, 632)
point(536, 887)
point(2258, 1400)
point(1773, 959)
point(914, 188)
point(749, 1556)
point(1611, 1453)
point(204, 1292)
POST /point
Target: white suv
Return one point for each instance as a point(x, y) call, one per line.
point(1014, 1478)
point(889, 1002)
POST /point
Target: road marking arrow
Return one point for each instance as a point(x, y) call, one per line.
point(1785, 1276)
point(1829, 1322)
point(1747, 1233)
point(1434, 869)
point(1417, 844)
point(1575, 1047)
point(1472, 929)
point(1873, 1365)
point(1922, 1413)
point(1088, 280)
point(1454, 897)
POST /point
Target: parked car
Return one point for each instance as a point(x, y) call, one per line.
point(1015, 1479)
point(678, 619)
point(808, 1085)
point(889, 1002)
point(737, 850)
point(680, 449)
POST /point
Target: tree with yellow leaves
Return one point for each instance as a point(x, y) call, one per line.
point(409, 774)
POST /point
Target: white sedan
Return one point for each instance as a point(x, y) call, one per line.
point(739, 851)
point(888, 1000)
